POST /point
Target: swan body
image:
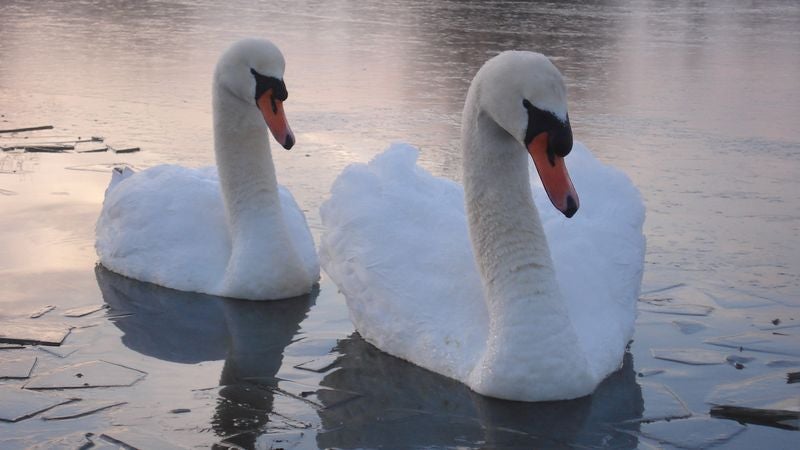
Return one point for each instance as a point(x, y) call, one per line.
point(230, 230)
point(489, 284)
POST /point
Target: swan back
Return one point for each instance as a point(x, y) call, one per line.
point(396, 244)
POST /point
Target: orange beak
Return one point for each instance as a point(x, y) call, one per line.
point(272, 110)
point(554, 176)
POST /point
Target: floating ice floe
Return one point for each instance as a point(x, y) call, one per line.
point(765, 392)
point(17, 404)
point(129, 439)
point(761, 341)
point(689, 326)
point(33, 332)
point(83, 311)
point(61, 351)
point(16, 365)
point(677, 309)
point(79, 409)
point(660, 403)
point(769, 400)
point(41, 311)
point(691, 356)
point(87, 375)
point(695, 432)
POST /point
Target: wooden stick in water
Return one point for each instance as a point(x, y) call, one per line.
point(42, 148)
point(18, 130)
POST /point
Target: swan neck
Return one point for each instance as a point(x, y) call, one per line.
point(263, 262)
point(509, 243)
point(527, 313)
point(505, 229)
point(244, 160)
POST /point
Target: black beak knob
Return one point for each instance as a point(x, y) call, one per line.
point(560, 140)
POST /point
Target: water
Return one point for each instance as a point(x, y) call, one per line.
point(698, 103)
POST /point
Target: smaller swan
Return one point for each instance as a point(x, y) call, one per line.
point(486, 284)
point(230, 231)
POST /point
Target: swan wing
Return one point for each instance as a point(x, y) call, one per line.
point(299, 233)
point(165, 225)
point(598, 256)
point(396, 244)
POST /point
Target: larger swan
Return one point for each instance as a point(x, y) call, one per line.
point(516, 304)
point(230, 231)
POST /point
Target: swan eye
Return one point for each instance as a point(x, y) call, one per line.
point(264, 83)
point(526, 103)
point(560, 133)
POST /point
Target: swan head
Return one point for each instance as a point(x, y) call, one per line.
point(524, 93)
point(252, 71)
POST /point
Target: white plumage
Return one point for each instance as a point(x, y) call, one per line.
point(236, 234)
point(472, 293)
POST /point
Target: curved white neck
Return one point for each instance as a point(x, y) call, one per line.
point(506, 233)
point(527, 314)
point(260, 242)
point(244, 160)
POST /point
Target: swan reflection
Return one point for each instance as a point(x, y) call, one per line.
point(189, 328)
point(404, 406)
point(366, 399)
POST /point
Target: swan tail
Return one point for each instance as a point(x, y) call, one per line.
point(118, 174)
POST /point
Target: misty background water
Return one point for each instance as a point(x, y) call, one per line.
point(698, 102)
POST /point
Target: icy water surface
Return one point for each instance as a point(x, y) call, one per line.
point(698, 103)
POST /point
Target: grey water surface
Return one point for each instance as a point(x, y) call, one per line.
point(698, 102)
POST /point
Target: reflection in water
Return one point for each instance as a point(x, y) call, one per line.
point(170, 325)
point(397, 404)
point(186, 327)
point(405, 406)
point(259, 332)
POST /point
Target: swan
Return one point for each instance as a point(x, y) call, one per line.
point(486, 284)
point(229, 231)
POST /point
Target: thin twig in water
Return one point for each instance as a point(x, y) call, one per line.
point(18, 130)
